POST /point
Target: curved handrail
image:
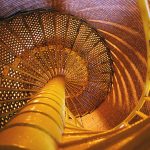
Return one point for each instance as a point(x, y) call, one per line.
point(145, 15)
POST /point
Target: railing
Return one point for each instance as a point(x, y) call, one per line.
point(129, 135)
point(145, 15)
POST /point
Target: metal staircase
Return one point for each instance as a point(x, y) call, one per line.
point(39, 45)
point(54, 69)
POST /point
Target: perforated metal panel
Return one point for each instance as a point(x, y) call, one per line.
point(36, 46)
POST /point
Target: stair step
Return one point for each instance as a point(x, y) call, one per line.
point(72, 32)
point(84, 33)
point(61, 25)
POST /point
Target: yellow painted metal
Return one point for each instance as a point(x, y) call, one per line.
point(145, 15)
point(40, 124)
point(141, 114)
point(125, 135)
point(71, 119)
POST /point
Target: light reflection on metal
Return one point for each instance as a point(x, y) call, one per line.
point(125, 131)
point(46, 44)
point(40, 124)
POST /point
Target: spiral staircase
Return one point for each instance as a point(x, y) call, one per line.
point(55, 69)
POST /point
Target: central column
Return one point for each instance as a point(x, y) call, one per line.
point(40, 124)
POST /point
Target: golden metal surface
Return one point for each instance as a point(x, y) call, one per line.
point(128, 134)
point(39, 45)
point(77, 63)
point(40, 122)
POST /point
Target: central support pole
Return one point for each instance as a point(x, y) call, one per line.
point(40, 124)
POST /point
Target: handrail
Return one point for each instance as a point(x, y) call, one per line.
point(145, 15)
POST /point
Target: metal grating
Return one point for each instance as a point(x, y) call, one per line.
point(38, 45)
